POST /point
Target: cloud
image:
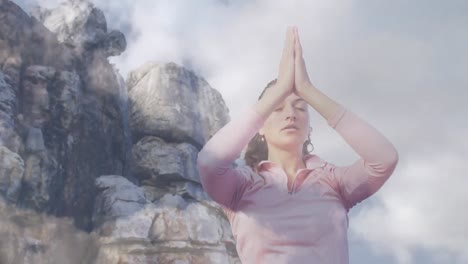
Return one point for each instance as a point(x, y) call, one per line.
point(422, 207)
point(235, 46)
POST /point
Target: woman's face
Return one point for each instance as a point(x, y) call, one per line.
point(293, 111)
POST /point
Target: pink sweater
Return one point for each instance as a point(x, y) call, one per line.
point(309, 224)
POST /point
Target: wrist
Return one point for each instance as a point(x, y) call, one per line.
point(278, 92)
point(270, 99)
point(306, 90)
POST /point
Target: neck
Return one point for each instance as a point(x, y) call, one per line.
point(290, 161)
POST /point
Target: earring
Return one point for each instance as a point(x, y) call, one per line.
point(310, 146)
point(262, 138)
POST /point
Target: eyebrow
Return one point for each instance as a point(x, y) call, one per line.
point(296, 100)
point(299, 99)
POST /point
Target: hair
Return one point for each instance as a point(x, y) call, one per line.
point(257, 150)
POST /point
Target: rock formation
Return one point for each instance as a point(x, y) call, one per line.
point(93, 168)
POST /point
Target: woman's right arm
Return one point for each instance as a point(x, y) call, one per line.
point(224, 183)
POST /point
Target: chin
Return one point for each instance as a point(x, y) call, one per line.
point(291, 143)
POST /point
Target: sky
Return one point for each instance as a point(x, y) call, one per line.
point(400, 65)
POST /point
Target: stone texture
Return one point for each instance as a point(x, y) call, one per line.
point(25, 41)
point(39, 173)
point(35, 94)
point(187, 189)
point(178, 219)
point(117, 197)
point(35, 140)
point(79, 24)
point(173, 103)
point(60, 111)
point(67, 103)
point(172, 229)
point(8, 110)
point(11, 173)
point(100, 77)
point(160, 254)
point(156, 161)
point(193, 191)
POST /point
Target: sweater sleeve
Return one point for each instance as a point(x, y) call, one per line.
point(224, 183)
point(378, 158)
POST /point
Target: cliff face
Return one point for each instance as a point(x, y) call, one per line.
point(61, 116)
point(100, 169)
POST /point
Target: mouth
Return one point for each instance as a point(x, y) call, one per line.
point(290, 127)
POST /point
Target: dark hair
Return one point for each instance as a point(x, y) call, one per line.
point(257, 150)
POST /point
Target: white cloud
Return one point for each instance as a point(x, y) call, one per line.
point(236, 47)
point(423, 206)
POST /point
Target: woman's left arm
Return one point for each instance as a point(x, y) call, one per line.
point(378, 155)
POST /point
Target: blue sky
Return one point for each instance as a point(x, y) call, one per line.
point(400, 65)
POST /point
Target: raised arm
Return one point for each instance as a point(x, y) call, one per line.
point(378, 157)
point(224, 183)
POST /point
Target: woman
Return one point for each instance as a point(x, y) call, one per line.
point(287, 205)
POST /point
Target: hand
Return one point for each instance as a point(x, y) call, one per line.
point(301, 79)
point(285, 82)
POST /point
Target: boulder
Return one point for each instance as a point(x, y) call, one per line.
point(171, 102)
point(171, 229)
point(157, 161)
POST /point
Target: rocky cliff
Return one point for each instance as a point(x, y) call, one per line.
point(95, 168)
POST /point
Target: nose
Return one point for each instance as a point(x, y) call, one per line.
point(290, 113)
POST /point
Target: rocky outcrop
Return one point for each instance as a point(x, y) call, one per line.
point(167, 217)
point(157, 161)
point(93, 168)
point(173, 112)
point(170, 229)
point(57, 121)
point(81, 26)
point(173, 103)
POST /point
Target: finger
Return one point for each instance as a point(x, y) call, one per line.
point(298, 46)
point(298, 50)
point(293, 41)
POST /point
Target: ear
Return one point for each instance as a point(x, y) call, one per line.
point(261, 131)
